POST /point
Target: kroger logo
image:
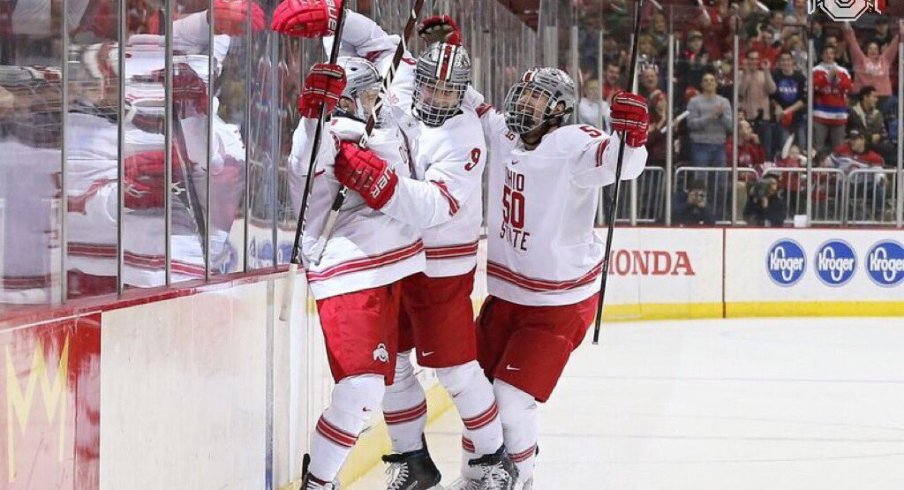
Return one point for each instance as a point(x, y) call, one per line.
point(835, 263)
point(786, 262)
point(885, 263)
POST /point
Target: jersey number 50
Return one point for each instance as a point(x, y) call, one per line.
point(513, 207)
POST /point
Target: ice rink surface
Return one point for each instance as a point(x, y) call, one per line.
point(753, 404)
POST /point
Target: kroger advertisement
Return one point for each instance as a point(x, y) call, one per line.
point(814, 265)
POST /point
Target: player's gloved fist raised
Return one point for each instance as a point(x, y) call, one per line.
point(364, 172)
point(629, 115)
point(307, 18)
point(322, 88)
point(231, 17)
point(439, 29)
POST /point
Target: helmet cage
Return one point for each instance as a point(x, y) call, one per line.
point(442, 77)
point(521, 109)
point(362, 77)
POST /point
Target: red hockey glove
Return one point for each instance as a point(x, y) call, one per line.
point(439, 29)
point(307, 18)
point(629, 114)
point(364, 172)
point(145, 181)
point(232, 16)
point(322, 87)
point(189, 90)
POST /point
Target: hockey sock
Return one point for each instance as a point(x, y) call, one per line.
point(354, 400)
point(473, 396)
point(520, 424)
point(405, 407)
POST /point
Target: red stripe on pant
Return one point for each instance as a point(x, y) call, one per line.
point(467, 445)
point(524, 455)
point(335, 434)
point(407, 415)
point(482, 420)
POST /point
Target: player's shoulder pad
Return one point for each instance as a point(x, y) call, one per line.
point(346, 128)
point(578, 138)
point(458, 136)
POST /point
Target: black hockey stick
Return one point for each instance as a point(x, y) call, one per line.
point(610, 215)
point(320, 245)
point(285, 312)
point(189, 194)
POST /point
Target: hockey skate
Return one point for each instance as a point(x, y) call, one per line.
point(498, 472)
point(413, 470)
point(308, 482)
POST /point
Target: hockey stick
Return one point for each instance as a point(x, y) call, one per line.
point(189, 195)
point(610, 218)
point(285, 311)
point(320, 245)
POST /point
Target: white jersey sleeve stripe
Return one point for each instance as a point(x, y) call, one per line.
point(444, 190)
point(366, 263)
point(600, 151)
point(451, 251)
point(505, 274)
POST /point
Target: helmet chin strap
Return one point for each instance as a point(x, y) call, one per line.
point(532, 138)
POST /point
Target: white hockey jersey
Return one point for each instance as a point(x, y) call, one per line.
point(443, 199)
point(542, 249)
point(92, 216)
point(367, 248)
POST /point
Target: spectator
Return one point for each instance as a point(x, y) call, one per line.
point(692, 211)
point(765, 206)
point(656, 138)
point(766, 45)
point(725, 76)
point(775, 24)
point(831, 84)
point(750, 156)
point(869, 189)
point(854, 154)
point(692, 62)
point(659, 32)
point(866, 118)
point(755, 87)
point(881, 33)
point(790, 181)
point(612, 79)
point(789, 104)
point(750, 152)
point(796, 19)
point(798, 50)
point(709, 121)
point(592, 108)
point(649, 83)
point(874, 68)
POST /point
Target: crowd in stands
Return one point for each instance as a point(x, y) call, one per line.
point(854, 79)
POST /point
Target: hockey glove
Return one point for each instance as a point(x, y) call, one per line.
point(307, 18)
point(145, 180)
point(232, 16)
point(439, 29)
point(189, 90)
point(322, 87)
point(364, 172)
point(629, 114)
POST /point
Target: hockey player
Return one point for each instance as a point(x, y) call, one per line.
point(443, 199)
point(357, 282)
point(544, 259)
